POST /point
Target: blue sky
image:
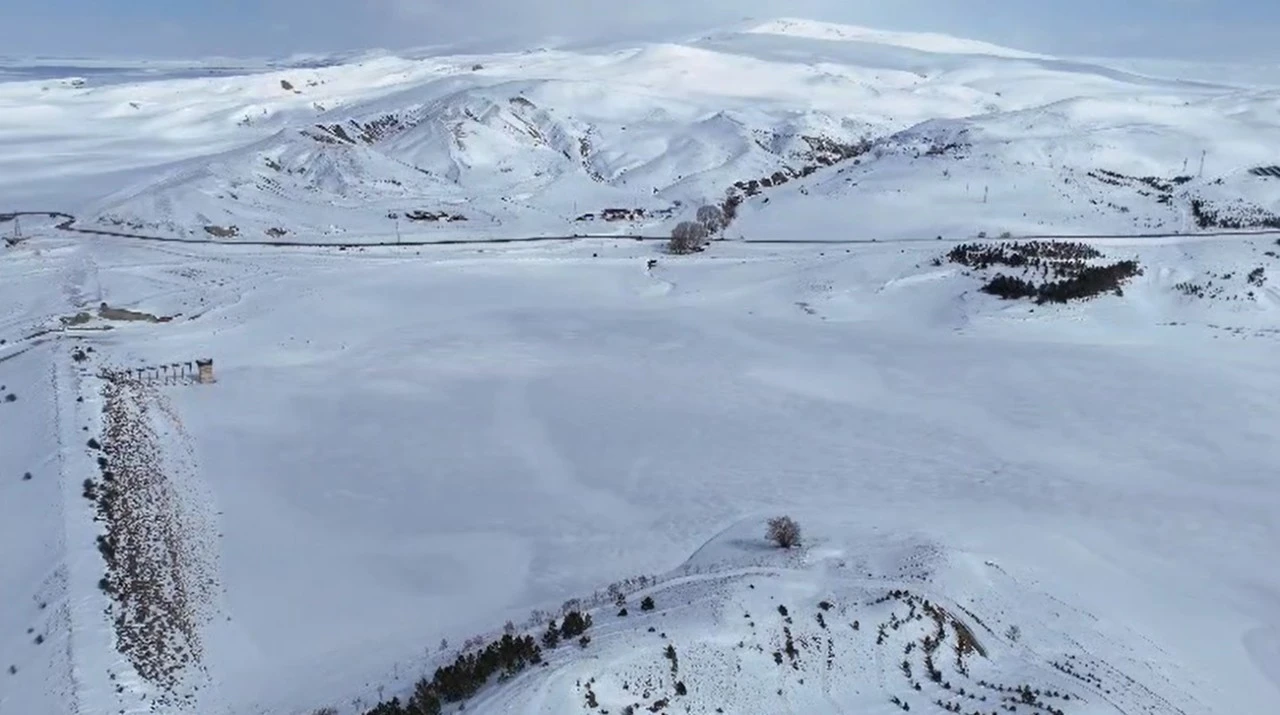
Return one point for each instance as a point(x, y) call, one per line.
point(1190, 29)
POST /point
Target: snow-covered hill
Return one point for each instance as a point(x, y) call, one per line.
point(541, 143)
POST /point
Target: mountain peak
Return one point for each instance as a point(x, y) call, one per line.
point(922, 41)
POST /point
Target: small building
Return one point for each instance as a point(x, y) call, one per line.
point(205, 375)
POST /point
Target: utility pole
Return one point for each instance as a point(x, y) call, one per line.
point(17, 228)
point(1202, 154)
point(397, 229)
point(986, 191)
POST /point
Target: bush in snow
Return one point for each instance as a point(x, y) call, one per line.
point(687, 237)
point(647, 603)
point(784, 532)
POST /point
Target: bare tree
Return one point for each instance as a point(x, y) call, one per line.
point(687, 237)
point(1014, 633)
point(713, 218)
point(784, 532)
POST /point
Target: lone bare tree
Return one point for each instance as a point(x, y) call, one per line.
point(784, 532)
point(687, 237)
point(713, 218)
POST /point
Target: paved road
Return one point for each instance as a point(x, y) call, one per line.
point(67, 223)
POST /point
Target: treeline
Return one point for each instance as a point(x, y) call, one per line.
point(470, 671)
point(1021, 254)
point(1087, 282)
point(1240, 217)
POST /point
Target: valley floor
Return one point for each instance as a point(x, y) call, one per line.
point(410, 445)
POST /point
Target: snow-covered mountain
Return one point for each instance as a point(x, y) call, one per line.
point(860, 123)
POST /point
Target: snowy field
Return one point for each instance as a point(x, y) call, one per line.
point(405, 448)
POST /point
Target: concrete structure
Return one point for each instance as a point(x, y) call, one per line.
point(197, 372)
point(205, 367)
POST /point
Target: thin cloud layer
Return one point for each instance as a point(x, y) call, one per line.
point(1188, 29)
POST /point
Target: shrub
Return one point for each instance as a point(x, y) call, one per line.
point(784, 532)
point(647, 603)
point(687, 237)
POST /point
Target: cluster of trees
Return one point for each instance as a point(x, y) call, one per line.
point(575, 624)
point(469, 672)
point(692, 236)
point(465, 676)
point(1063, 261)
point(1086, 282)
point(1208, 216)
point(1021, 253)
point(1089, 282)
point(1010, 287)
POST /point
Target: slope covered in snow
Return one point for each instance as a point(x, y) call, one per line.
point(540, 143)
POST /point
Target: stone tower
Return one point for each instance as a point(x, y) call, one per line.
point(205, 367)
